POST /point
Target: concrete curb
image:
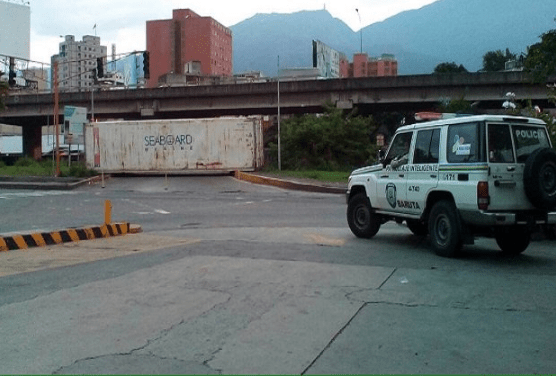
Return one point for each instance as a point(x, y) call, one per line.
point(286, 184)
point(24, 241)
point(45, 183)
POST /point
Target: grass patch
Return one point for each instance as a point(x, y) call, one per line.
point(324, 176)
point(29, 167)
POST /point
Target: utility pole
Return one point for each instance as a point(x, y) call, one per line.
point(56, 125)
point(279, 143)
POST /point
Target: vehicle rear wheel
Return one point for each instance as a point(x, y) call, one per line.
point(513, 240)
point(445, 229)
point(417, 227)
point(362, 221)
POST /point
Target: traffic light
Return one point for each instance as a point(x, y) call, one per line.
point(146, 67)
point(100, 67)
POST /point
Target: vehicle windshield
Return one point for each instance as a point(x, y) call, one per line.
point(528, 139)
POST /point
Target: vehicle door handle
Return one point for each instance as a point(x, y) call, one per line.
point(505, 183)
point(384, 176)
point(401, 175)
point(434, 176)
point(511, 168)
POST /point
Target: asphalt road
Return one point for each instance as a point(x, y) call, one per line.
point(230, 277)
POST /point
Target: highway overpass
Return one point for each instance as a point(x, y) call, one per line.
point(369, 95)
point(401, 93)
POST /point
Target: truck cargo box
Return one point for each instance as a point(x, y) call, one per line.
point(175, 146)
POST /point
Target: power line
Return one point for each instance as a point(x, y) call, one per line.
point(124, 54)
point(5, 58)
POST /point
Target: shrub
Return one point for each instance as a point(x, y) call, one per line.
point(79, 170)
point(332, 141)
point(26, 162)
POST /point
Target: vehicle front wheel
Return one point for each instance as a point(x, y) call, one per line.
point(513, 240)
point(362, 221)
point(445, 229)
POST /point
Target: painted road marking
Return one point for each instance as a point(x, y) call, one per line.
point(145, 206)
point(16, 195)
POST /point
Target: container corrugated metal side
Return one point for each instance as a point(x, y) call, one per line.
point(175, 146)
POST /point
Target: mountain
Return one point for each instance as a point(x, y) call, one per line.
point(444, 31)
point(258, 41)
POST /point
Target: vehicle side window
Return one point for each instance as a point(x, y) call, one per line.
point(426, 146)
point(398, 154)
point(500, 149)
point(464, 144)
point(529, 139)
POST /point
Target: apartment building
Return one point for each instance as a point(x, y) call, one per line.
point(363, 66)
point(77, 61)
point(185, 41)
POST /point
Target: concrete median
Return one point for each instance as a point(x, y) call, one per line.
point(30, 240)
point(287, 184)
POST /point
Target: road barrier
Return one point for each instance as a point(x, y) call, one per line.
point(24, 241)
point(106, 230)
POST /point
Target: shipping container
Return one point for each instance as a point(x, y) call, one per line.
point(175, 146)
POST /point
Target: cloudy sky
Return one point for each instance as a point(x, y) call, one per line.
point(123, 21)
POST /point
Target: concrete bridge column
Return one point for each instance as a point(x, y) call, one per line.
point(32, 142)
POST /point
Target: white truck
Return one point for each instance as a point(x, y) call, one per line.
point(459, 178)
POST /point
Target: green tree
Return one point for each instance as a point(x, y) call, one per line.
point(458, 106)
point(495, 61)
point(550, 121)
point(449, 68)
point(331, 141)
point(540, 62)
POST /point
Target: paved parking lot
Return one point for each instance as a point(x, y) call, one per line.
point(231, 277)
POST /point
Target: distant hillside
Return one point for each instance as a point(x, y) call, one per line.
point(259, 40)
point(445, 31)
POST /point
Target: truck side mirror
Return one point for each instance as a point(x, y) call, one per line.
point(381, 155)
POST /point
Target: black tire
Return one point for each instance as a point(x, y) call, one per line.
point(362, 221)
point(417, 227)
point(445, 229)
point(513, 240)
point(539, 178)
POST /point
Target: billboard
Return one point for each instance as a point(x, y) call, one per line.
point(15, 30)
point(74, 120)
point(131, 68)
point(326, 60)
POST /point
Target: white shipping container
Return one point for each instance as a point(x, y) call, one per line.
point(175, 146)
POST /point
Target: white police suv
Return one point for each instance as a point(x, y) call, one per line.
point(460, 178)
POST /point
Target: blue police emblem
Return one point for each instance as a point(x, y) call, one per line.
point(391, 194)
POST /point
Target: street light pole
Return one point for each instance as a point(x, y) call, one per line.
point(279, 131)
point(93, 103)
point(360, 28)
point(56, 125)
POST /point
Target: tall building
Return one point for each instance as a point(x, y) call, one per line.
point(188, 44)
point(363, 66)
point(76, 62)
